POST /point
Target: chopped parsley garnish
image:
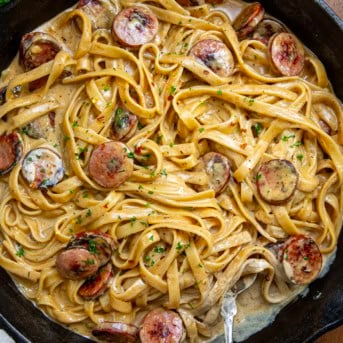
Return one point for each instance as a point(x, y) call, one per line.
point(159, 250)
point(286, 138)
point(85, 195)
point(219, 92)
point(250, 101)
point(131, 155)
point(132, 220)
point(258, 176)
point(20, 252)
point(298, 143)
point(257, 129)
point(151, 192)
point(201, 130)
point(88, 213)
point(89, 261)
point(172, 90)
point(92, 246)
point(164, 172)
point(79, 220)
point(300, 157)
point(75, 124)
point(179, 246)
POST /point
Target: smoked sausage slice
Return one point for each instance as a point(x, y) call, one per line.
point(110, 164)
point(37, 48)
point(248, 19)
point(161, 326)
point(301, 259)
point(76, 264)
point(286, 54)
point(97, 285)
point(100, 245)
point(42, 167)
point(276, 181)
point(99, 12)
point(11, 151)
point(116, 332)
point(215, 55)
point(217, 168)
point(135, 26)
point(124, 124)
point(266, 29)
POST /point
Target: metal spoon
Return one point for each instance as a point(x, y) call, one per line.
point(229, 307)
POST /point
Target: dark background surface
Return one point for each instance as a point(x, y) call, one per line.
point(302, 321)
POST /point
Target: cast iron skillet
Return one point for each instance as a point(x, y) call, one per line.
point(302, 321)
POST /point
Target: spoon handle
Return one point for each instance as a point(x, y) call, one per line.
point(228, 325)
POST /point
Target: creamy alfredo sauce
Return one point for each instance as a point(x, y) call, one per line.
point(254, 313)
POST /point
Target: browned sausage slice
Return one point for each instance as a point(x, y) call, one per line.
point(215, 55)
point(161, 326)
point(301, 259)
point(266, 29)
point(248, 19)
point(97, 285)
point(40, 127)
point(11, 151)
point(287, 54)
point(116, 332)
point(135, 26)
point(76, 264)
point(100, 245)
point(276, 181)
point(124, 124)
point(110, 164)
point(100, 15)
point(3, 95)
point(37, 48)
point(42, 167)
point(217, 168)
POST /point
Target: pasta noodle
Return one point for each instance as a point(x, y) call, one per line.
point(179, 243)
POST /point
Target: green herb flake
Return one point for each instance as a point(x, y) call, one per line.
point(75, 124)
point(90, 261)
point(140, 187)
point(88, 213)
point(164, 172)
point(85, 195)
point(257, 129)
point(20, 252)
point(159, 250)
point(131, 155)
point(300, 157)
point(179, 246)
point(298, 143)
point(286, 138)
point(151, 238)
point(172, 90)
point(92, 247)
point(79, 220)
point(132, 220)
point(305, 258)
point(151, 192)
point(258, 176)
point(250, 101)
point(201, 130)
point(219, 92)
point(106, 88)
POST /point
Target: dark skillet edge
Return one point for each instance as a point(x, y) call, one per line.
point(302, 321)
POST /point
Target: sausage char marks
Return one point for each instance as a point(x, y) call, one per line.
point(101, 245)
point(40, 127)
point(248, 19)
point(215, 55)
point(37, 48)
point(217, 167)
point(116, 332)
point(301, 259)
point(98, 11)
point(76, 264)
point(286, 54)
point(97, 284)
point(161, 326)
point(110, 165)
point(124, 125)
point(266, 29)
point(276, 181)
point(135, 26)
point(42, 167)
point(11, 150)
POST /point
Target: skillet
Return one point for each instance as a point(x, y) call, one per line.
point(300, 322)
